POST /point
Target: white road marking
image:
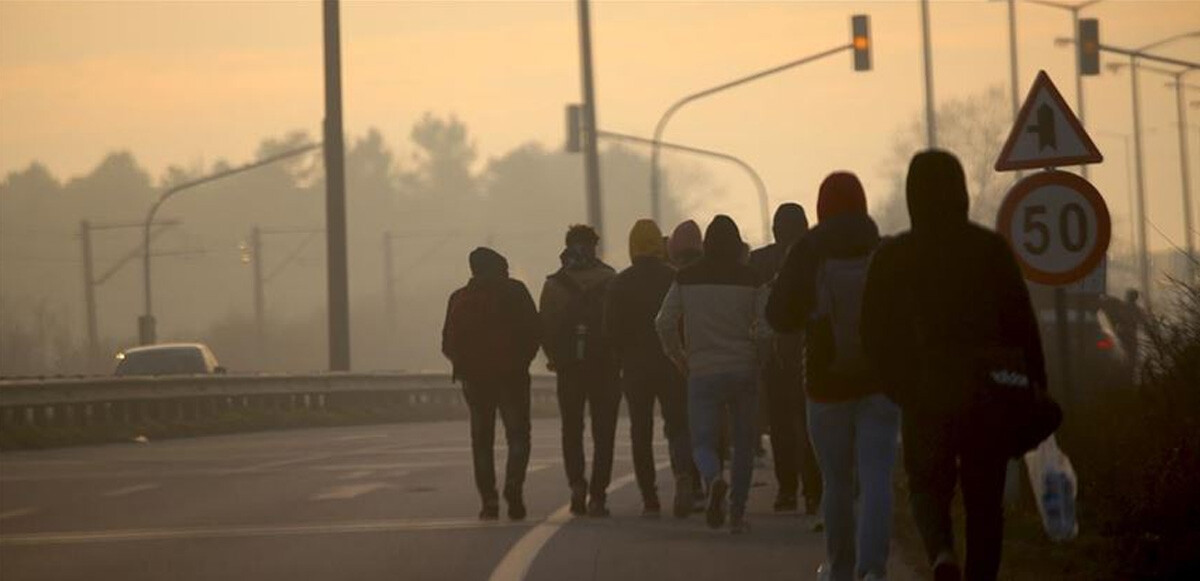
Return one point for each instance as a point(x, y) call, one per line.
point(536, 467)
point(356, 475)
point(515, 564)
point(17, 512)
point(361, 437)
point(349, 491)
point(136, 488)
point(234, 531)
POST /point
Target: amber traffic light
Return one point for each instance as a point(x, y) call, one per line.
point(860, 31)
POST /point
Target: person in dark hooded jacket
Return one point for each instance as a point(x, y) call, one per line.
point(936, 298)
point(634, 297)
point(783, 378)
point(853, 426)
point(490, 337)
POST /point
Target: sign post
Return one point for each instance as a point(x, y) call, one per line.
point(1056, 222)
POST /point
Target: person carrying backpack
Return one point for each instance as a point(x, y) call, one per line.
point(852, 424)
point(718, 303)
point(946, 306)
point(634, 298)
point(490, 337)
point(572, 312)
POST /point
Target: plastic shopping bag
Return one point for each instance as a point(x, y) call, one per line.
point(1054, 485)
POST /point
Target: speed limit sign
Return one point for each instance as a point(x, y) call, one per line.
point(1058, 226)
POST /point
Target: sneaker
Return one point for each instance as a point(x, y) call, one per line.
point(651, 507)
point(683, 497)
point(945, 567)
point(516, 506)
point(785, 502)
point(490, 510)
point(715, 514)
point(579, 500)
point(738, 524)
point(596, 508)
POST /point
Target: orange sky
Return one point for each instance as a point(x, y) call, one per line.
point(183, 82)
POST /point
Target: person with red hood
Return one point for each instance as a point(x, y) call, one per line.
point(852, 424)
point(939, 299)
point(710, 325)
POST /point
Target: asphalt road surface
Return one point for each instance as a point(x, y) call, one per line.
point(375, 502)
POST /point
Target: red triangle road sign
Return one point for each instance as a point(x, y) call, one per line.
point(1046, 133)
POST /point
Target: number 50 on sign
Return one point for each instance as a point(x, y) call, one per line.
point(1058, 226)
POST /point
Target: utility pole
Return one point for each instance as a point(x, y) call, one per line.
point(591, 154)
point(930, 107)
point(256, 256)
point(89, 292)
point(389, 285)
point(335, 196)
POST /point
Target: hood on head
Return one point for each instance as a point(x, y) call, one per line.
point(936, 190)
point(790, 223)
point(685, 240)
point(645, 239)
point(722, 240)
point(840, 193)
point(486, 262)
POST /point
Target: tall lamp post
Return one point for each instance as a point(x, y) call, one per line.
point(147, 333)
point(860, 44)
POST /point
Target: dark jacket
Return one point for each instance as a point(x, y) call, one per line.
point(793, 297)
point(942, 294)
point(633, 300)
point(492, 330)
point(789, 224)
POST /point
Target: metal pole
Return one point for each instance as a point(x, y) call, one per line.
point(89, 292)
point(1083, 169)
point(660, 128)
point(930, 114)
point(335, 196)
point(389, 290)
point(1143, 249)
point(256, 255)
point(1185, 176)
point(591, 154)
point(1012, 57)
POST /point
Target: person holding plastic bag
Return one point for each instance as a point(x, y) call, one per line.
point(947, 321)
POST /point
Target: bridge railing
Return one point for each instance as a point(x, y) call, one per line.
point(96, 401)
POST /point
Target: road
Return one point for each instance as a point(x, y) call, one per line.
point(375, 502)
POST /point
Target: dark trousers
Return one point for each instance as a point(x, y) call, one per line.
point(601, 394)
point(511, 399)
point(936, 461)
point(642, 387)
point(793, 452)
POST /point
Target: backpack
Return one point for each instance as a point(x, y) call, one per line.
point(579, 338)
point(839, 292)
point(480, 333)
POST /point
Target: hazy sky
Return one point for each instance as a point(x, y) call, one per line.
point(184, 82)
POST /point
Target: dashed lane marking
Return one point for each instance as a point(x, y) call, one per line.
point(241, 531)
point(349, 491)
point(17, 512)
point(136, 488)
point(515, 564)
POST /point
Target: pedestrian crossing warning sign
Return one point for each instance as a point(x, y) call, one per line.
point(1046, 133)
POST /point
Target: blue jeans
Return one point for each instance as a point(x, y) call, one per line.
point(709, 397)
point(855, 442)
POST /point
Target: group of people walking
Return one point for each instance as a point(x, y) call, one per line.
point(851, 338)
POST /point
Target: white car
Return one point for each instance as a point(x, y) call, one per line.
point(168, 359)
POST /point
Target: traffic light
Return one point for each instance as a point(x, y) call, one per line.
point(574, 128)
point(861, 41)
point(1089, 46)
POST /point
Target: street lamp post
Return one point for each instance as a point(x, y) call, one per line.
point(655, 191)
point(927, 50)
point(147, 334)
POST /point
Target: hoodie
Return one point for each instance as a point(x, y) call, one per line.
point(789, 225)
point(719, 304)
point(584, 271)
point(942, 293)
point(845, 231)
point(685, 246)
point(633, 299)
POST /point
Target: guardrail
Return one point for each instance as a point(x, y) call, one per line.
point(83, 402)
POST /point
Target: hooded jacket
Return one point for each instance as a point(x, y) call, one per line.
point(789, 225)
point(586, 271)
point(634, 297)
point(719, 304)
point(686, 245)
point(844, 231)
point(941, 293)
point(491, 331)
